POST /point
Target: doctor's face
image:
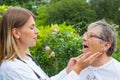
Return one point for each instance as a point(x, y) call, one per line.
point(28, 33)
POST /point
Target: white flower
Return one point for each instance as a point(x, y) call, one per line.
point(47, 48)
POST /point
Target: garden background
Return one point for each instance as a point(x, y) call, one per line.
point(61, 24)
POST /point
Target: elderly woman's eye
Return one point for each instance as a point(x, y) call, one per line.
point(89, 35)
point(92, 35)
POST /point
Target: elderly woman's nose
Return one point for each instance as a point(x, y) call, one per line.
point(84, 37)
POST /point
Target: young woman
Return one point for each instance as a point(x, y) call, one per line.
point(17, 33)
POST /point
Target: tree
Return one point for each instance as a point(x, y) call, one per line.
point(108, 9)
point(29, 4)
point(74, 12)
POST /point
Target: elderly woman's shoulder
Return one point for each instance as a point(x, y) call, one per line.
point(116, 64)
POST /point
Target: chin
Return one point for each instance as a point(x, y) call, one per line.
point(33, 45)
point(85, 51)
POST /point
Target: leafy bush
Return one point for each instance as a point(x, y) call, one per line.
point(3, 8)
point(108, 9)
point(41, 18)
point(117, 53)
point(73, 12)
point(55, 46)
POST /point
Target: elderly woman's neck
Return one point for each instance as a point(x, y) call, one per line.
point(103, 59)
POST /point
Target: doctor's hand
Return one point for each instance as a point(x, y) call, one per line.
point(82, 61)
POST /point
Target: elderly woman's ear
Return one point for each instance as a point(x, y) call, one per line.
point(107, 45)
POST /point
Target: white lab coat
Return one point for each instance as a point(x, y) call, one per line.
point(17, 70)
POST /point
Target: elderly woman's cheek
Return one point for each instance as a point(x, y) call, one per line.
point(95, 47)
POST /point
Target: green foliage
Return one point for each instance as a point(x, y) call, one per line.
point(73, 12)
point(19, 2)
point(62, 40)
point(41, 18)
point(29, 4)
point(3, 8)
point(117, 53)
point(108, 9)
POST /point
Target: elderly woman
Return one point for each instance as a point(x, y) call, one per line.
point(17, 33)
point(101, 37)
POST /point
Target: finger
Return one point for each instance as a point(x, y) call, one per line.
point(79, 56)
point(92, 57)
point(85, 55)
point(72, 60)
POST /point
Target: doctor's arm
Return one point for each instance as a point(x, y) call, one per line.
point(75, 66)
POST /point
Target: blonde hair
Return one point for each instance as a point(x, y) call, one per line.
point(13, 18)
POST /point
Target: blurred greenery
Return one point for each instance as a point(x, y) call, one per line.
point(29, 4)
point(108, 9)
point(70, 18)
point(3, 8)
point(63, 41)
point(73, 12)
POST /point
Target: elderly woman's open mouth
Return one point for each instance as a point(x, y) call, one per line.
point(85, 48)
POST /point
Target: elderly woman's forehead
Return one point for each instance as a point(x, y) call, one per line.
point(96, 29)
